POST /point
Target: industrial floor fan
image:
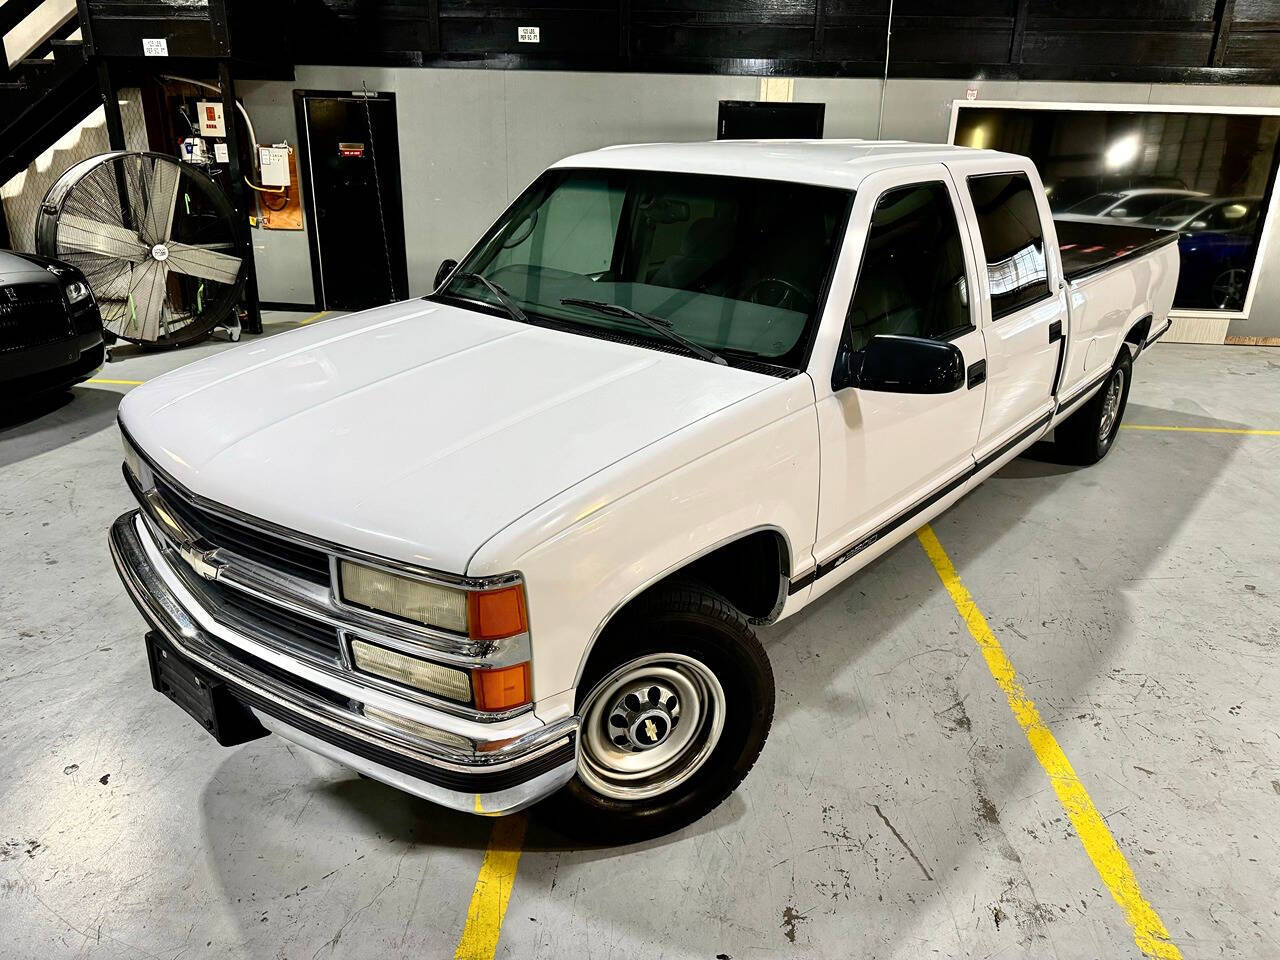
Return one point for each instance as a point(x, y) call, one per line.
point(156, 239)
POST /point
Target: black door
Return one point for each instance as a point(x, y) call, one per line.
point(355, 218)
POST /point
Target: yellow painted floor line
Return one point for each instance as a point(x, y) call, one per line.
point(493, 889)
point(1149, 931)
point(1237, 430)
point(313, 318)
point(119, 383)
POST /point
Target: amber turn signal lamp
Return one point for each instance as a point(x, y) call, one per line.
point(495, 614)
point(502, 688)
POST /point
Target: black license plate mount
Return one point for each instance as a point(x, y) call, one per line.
point(205, 697)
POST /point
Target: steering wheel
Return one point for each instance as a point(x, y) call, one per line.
point(774, 292)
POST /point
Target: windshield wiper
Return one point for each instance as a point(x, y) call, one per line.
point(653, 323)
point(504, 298)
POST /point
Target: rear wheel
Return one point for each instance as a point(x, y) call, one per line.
point(676, 704)
point(1088, 433)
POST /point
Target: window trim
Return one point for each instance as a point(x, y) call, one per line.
point(1044, 240)
point(946, 336)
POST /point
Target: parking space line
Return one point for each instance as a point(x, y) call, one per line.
point(1149, 931)
point(1236, 430)
point(492, 892)
point(118, 383)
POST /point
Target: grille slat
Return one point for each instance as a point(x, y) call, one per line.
point(274, 552)
point(266, 621)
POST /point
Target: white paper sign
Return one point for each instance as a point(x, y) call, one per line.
point(158, 47)
point(529, 34)
point(220, 153)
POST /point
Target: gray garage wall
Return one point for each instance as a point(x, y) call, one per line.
point(471, 140)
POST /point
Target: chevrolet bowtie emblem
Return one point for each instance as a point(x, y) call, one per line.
point(201, 561)
point(651, 729)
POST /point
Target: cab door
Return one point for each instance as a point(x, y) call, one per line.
point(887, 456)
point(1022, 302)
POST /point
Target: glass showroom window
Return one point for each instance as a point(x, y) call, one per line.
point(1207, 175)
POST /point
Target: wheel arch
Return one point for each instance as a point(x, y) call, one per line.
point(766, 552)
point(1135, 338)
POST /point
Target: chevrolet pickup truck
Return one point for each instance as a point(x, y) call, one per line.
point(510, 542)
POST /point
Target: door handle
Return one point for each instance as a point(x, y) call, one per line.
point(977, 373)
point(1055, 331)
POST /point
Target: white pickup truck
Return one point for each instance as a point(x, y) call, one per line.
point(509, 542)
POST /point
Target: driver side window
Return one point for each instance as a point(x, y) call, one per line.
point(912, 281)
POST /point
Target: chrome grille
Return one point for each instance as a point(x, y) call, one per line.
point(245, 541)
point(268, 622)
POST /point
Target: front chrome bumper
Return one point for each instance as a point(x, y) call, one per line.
point(494, 773)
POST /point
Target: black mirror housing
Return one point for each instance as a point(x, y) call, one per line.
point(894, 364)
point(442, 274)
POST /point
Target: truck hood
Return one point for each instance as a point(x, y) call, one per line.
point(418, 430)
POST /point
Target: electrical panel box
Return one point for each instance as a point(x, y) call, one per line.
point(211, 121)
point(274, 164)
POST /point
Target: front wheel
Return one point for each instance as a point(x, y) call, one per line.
point(1088, 433)
point(676, 703)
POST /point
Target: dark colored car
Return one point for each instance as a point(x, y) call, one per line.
point(50, 328)
point(1215, 269)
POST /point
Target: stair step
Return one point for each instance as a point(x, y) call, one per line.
point(68, 51)
point(34, 68)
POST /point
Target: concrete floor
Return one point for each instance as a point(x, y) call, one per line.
point(897, 810)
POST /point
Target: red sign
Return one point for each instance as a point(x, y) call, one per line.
point(351, 149)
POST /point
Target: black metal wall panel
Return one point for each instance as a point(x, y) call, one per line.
point(1192, 40)
point(1252, 35)
point(1062, 46)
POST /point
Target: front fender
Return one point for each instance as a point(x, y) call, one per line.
point(585, 554)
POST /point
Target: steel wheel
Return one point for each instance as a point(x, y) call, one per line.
point(1111, 405)
point(155, 238)
point(649, 726)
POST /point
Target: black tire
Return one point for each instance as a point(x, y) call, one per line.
point(1081, 439)
point(687, 621)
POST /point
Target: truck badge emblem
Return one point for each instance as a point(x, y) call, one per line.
point(199, 561)
point(651, 729)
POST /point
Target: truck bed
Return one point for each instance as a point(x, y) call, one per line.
point(1088, 247)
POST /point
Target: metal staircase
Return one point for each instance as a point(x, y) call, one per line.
point(47, 84)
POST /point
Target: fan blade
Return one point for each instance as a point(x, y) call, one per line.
point(82, 235)
point(147, 296)
point(160, 193)
point(196, 261)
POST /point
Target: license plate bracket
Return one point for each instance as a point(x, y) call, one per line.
point(205, 697)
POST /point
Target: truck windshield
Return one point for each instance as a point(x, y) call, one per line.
point(734, 265)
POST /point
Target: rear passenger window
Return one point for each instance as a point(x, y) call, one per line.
point(1012, 239)
point(912, 282)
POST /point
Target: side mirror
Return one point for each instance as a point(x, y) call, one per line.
point(893, 364)
point(442, 274)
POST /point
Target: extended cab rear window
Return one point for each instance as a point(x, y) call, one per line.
point(1012, 240)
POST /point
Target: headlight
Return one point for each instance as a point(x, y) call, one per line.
point(480, 614)
point(426, 603)
point(76, 291)
point(412, 671)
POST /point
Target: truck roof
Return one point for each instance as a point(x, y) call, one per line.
point(841, 163)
